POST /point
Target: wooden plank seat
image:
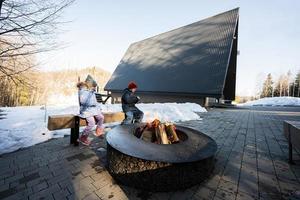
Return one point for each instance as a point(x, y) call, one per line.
point(57, 122)
point(292, 133)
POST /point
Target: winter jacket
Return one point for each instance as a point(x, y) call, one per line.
point(129, 100)
point(88, 103)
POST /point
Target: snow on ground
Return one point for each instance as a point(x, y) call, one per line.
point(26, 126)
point(63, 100)
point(274, 101)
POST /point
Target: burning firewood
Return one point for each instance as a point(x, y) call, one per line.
point(161, 133)
point(138, 132)
point(171, 131)
point(157, 132)
point(145, 133)
point(157, 135)
point(155, 123)
point(148, 136)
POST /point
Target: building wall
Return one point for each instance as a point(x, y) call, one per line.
point(145, 98)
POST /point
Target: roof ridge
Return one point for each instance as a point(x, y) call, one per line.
point(213, 16)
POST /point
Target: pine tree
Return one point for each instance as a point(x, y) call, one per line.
point(267, 90)
point(296, 89)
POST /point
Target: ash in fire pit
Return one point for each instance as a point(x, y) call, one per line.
point(150, 165)
point(160, 133)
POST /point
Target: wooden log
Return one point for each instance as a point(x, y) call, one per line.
point(171, 131)
point(157, 135)
point(56, 122)
point(163, 134)
point(138, 132)
point(155, 123)
point(147, 136)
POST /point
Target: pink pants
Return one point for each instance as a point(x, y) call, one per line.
point(91, 122)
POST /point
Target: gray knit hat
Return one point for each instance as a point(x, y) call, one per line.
point(89, 79)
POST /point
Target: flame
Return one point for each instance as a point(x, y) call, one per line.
point(151, 116)
point(155, 123)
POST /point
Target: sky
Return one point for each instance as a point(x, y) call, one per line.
point(99, 33)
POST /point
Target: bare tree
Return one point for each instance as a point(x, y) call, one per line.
point(27, 27)
point(258, 84)
point(288, 80)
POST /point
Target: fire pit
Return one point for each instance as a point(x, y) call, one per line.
point(144, 164)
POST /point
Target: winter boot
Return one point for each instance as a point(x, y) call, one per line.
point(99, 132)
point(84, 140)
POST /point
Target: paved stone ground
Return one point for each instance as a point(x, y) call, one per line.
point(251, 163)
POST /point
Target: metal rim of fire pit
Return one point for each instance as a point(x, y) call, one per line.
point(159, 167)
point(197, 146)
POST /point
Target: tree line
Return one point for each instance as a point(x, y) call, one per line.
point(46, 84)
point(286, 85)
point(27, 28)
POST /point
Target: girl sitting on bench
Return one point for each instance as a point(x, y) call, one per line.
point(89, 109)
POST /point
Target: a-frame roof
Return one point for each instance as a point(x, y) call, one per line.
point(192, 59)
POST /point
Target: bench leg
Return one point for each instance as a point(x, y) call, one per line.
point(75, 132)
point(72, 136)
point(290, 146)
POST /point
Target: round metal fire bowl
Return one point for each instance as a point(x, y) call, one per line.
point(197, 146)
point(158, 167)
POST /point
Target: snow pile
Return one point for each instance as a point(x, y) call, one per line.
point(26, 126)
point(172, 112)
point(274, 101)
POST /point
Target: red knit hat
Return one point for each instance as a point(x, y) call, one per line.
point(132, 85)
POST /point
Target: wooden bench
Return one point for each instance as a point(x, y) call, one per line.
point(292, 133)
point(57, 122)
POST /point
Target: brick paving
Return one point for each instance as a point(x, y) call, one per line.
point(251, 163)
